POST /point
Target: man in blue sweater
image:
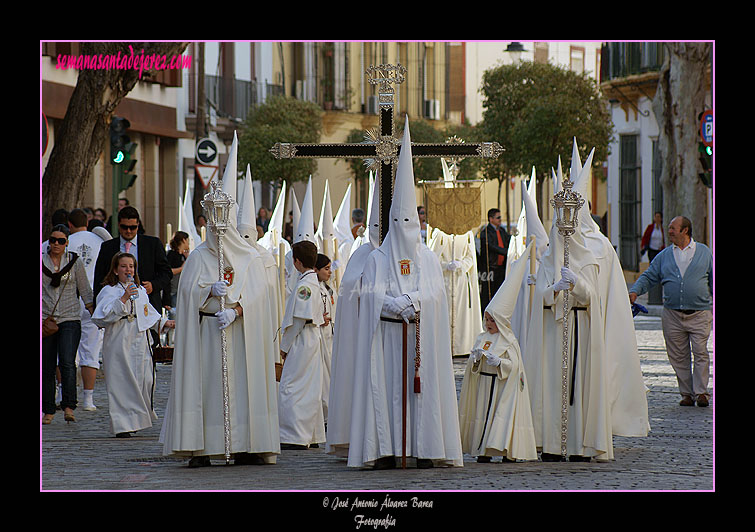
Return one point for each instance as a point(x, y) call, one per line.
point(685, 270)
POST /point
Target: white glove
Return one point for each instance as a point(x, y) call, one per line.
point(219, 289)
point(475, 355)
point(225, 317)
point(569, 275)
point(491, 359)
point(531, 279)
point(274, 251)
point(398, 304)
point(453, 265)
point(407, 313)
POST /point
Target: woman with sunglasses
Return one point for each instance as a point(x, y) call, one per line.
point(64, 279)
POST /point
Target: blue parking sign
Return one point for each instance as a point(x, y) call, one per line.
point(706, 127)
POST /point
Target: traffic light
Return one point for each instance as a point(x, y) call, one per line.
point(127, 164)
point(706, 160)
point(118, 138)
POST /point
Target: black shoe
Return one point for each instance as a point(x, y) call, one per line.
point(123, 435)
point(579, 458)
point(483, 459)
point(548, 457)
point(314, 446)
point(247, 459)
point(386, 462)
point(292, 447)
point(199, 461)
point(424, 463)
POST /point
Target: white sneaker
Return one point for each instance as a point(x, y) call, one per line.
point(89, 407)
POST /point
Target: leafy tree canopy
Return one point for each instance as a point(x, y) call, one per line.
point(279, 119)
point(534, 111)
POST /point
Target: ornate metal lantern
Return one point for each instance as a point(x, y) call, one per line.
point(217, 207)
point(566, 204)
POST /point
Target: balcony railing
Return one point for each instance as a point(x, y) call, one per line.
point(622, 59)
point(232, 98)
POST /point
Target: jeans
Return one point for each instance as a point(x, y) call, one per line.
point(60, 350)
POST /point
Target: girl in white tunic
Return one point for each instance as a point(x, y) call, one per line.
point(328, 295)
point(126, 352)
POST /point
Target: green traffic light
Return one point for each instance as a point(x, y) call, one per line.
point(119, 157)
point(709, 150)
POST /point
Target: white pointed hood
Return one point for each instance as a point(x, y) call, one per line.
point(295, 211)
point(230, 178)
point(277, 218)
point(534, 224)
point(447, 177)
point(342, 221)
point(403, 237)
point(501, 307)
point(580, 186)
point(325, 231)
point(373, 214)
point(305, 230)
point(247, 220)
point(186, 221)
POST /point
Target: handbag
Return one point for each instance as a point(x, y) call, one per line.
point(49, 325)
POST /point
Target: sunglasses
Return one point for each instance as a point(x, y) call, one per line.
point(129, 227)
point(61, 241)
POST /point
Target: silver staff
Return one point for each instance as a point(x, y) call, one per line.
point(217, 206)
point(566, 204)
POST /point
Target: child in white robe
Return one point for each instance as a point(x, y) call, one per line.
point(300, 407)
point(495, 416)
point(324, 273)
point(126, 350)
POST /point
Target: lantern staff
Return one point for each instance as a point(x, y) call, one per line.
point(566, 204)
point(217, 206)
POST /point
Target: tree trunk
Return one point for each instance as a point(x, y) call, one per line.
point(81, 136)
point(679, 100)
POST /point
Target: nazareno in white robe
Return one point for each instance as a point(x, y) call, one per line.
point(345, 344)
point(589, 414)
point(127, 357)
point(494, 404)
point(462, 289)
point(194, 423)
point(432, 415)
point(300, 394)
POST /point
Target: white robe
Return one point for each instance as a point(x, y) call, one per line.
point(589, 420)
point(494, 404)
point(329, 299)
point(300, 395)
point(345, 341)
point(462, 288)
point(194, 421)
point(127, 357)
point(432, 415)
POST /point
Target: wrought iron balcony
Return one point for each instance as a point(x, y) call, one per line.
point(622, 59)
point(232, 98)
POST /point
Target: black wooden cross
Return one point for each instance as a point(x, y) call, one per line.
point(382, 146)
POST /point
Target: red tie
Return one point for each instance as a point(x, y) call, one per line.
point(128, 246)
point(500, 244)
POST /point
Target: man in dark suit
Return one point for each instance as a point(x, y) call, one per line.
point(152, 264)
point(494, 246)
